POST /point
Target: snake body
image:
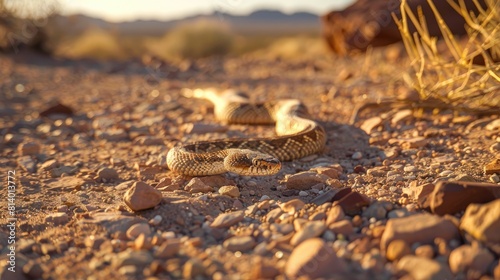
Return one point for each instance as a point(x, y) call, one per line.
point(297, 136)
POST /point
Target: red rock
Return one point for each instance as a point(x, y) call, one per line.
point(353, 203)
point(453, 197)
point(142, 196)
point(422, 228)
point(226, 220)
point(313, 259)
point(492, 167)
point(57, 109)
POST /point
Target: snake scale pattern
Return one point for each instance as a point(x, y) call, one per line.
point(297, 136)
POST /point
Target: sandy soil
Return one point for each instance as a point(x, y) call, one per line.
point(72, 172)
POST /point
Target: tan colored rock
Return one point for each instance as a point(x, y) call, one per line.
point(137, 229)
point(424, 269)
point(305, 180)
point(397, 249)
point(142, 196)
point(482, 221)
point(422, 228)
point(226, 220)
point(168, 248)
point(472, 257)
point(493, 167)
point(331, 172)
point(239, 243)
point(307, 231)
point(196, 185)
point(335, 214)
point(292, 206)
point(343, 227)
point(314, 258)
point(425, 251)
point(231, 191)
point(108, 174)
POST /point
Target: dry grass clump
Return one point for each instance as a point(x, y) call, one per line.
point(295, 47)
point(195, 40)
point(451, 75)
point(94, 43)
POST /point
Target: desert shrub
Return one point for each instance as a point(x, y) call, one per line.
point(93, 43)
point(296, 47)
point(196, 40)
point(453, 75)
point(23, 23)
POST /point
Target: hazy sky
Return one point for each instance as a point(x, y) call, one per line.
point(123, 10)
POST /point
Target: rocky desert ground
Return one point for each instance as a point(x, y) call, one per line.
point(400, 192)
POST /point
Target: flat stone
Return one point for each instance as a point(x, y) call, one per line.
point(413, 143)
point(239, 243)
point(226, 220)
point(422, 268)
point(492, 167)
point(304, 180)
point(49, 165)
point(142, 196)
point(309, 230)
point(231, 191)
point(292, 206)
point(313, 259)
point(331, 172)
point(452, 197)
point(422, 228)
point(470, 257)
point(482, 221)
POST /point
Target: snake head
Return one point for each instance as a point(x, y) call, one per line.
point(251, 163)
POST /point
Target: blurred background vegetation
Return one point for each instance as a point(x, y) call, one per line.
point(39, 26)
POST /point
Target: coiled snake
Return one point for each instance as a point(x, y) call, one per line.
point(297, 137)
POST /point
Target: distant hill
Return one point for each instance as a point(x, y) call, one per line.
point(261, 21)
